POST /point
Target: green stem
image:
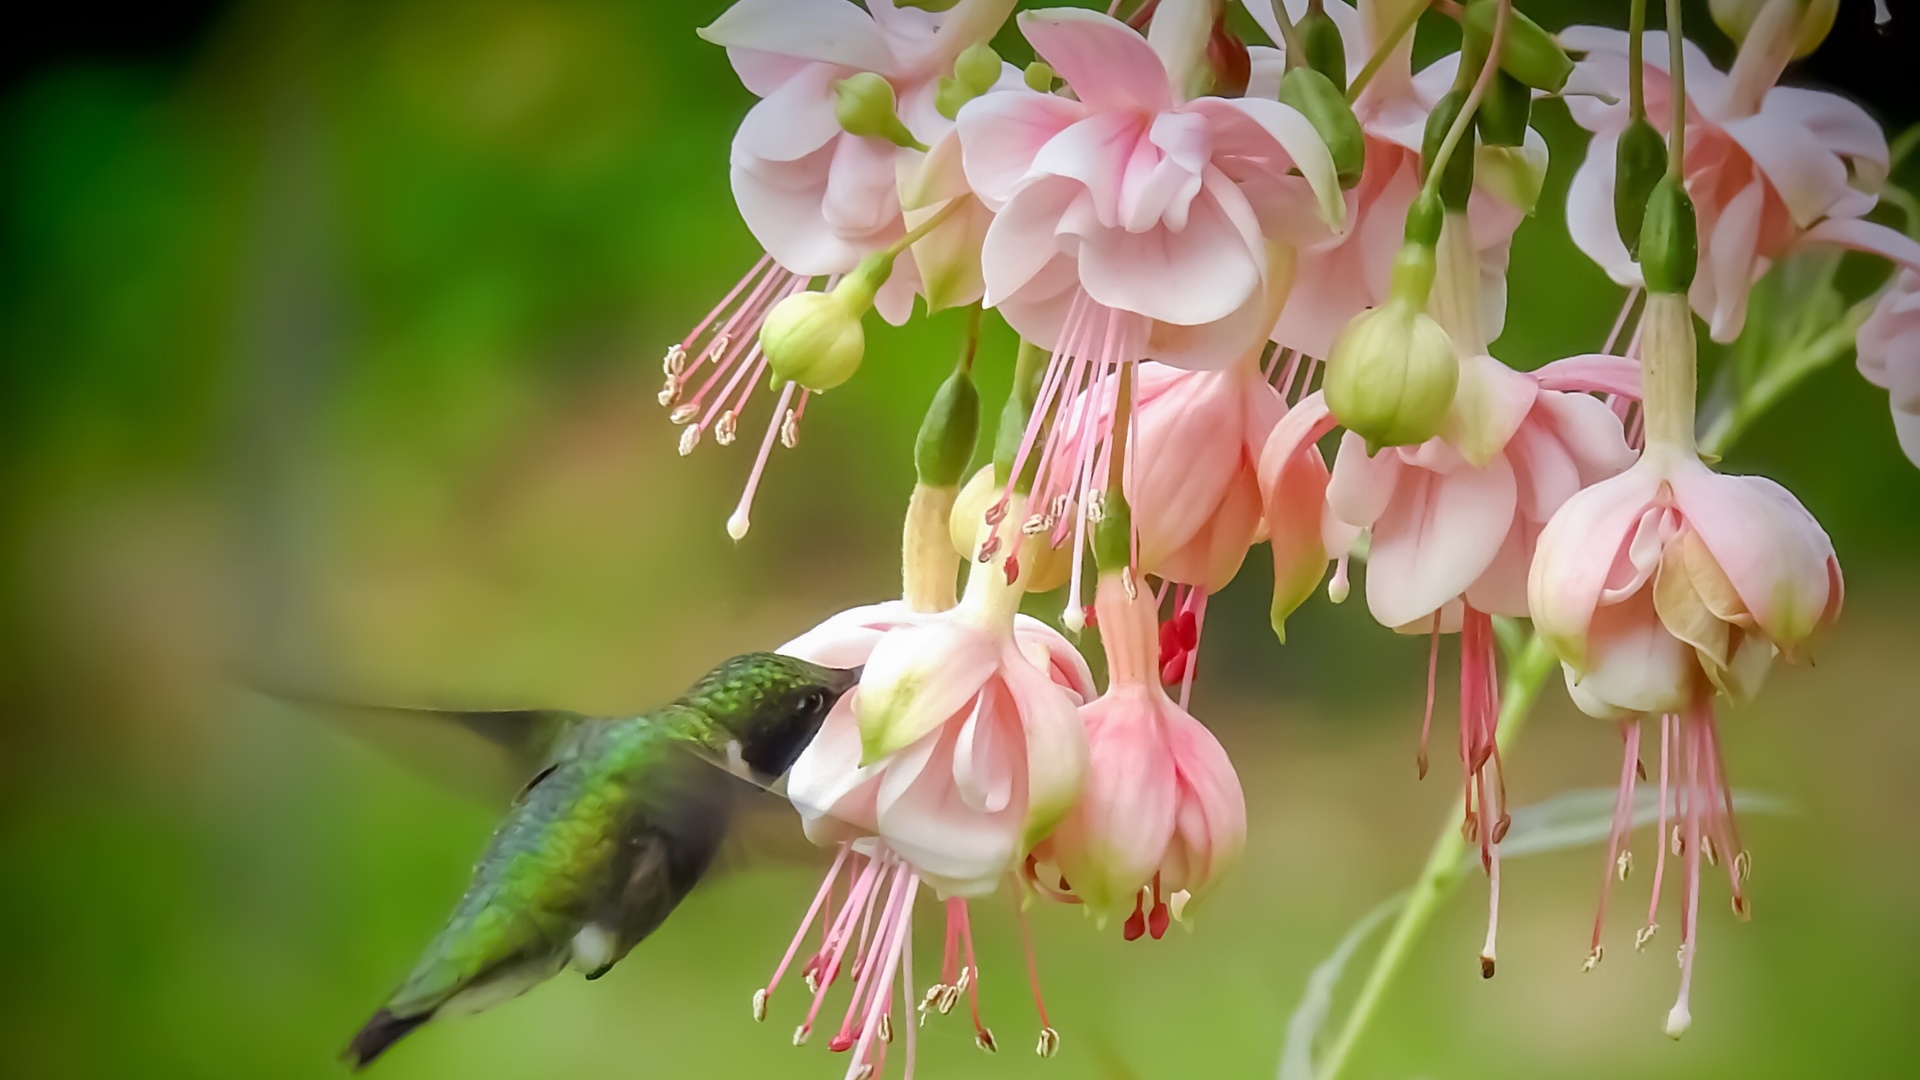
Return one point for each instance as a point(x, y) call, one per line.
point(1287, 36)
point(1677, 76)
point(1445, 865)
point(1636, 32)
point(1379, 58)
point(1782, 378)
point(1464, 122)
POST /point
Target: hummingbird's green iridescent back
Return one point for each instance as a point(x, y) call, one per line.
point(607, 838)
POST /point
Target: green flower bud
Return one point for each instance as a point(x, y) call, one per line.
point(1815, 20)
point(949, 95)
point(1669, 240)
point(1315, 96)
point(815, 338)
point(1391, 375)
point(1639, 161)
point(945, 443)
point(1039, 76)
point(1425, 218)
point(864, 105)
point(1528, 52)
point(1321, 47)
point(978, 68)
point(1504, 111)
point(1456, 184)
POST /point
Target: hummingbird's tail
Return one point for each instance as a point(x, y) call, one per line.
point(382, 1031)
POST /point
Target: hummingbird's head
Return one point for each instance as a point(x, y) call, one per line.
point(771, 705)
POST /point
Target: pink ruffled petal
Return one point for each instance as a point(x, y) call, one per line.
point(793, 121)
point(1590, 219)
point(1770, 548)
point(1361, 487)
point(953, 847)
point(1856, 235)
point(829, 31)
point(780, 203)
point(1731, 262)
point(1808, 177)
point(1106, 63)
point(1055, 748)
point(1113, 841)
point(1213, 809)
point(1592, 373)
point(1001, 134)
point(1095, 152)
point(1491, 403)
point(1633, 663)
point(1439, 534)
point(1198, 275)
point(1576, 553)
point(916, 679)
point(1276, 135)
point(1293, 490)
point(1022, 239)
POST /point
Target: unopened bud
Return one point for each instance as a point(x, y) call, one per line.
point(1392, 374)
point(864, 105)
point(978, 68)
point(1314, 96)
point(1038, 76)
point(1456, 183)
point(946, 440)
point(815, 338)
point(1504, 111)
point(1639, 161)
point(1669, 240)
point(1527, 52)
point(1815, 19)
point(1321, 47)
point(1228, 62)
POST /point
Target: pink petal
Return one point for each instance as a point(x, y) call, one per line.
point(1597, 373)
point(1809, 178)
point(1095, 152)
point(1106, 63)
point(1440, 534)
point(958, 850)
point(830, 31)
point(793, 121)
point(1491, 403)
point(1056, 744)
point(1001, 134)
point(917, 678)
point(862, 188)
point(1588, 432)
point(1632, 663)
point(1576, 553)
point(1197, 275)
point(1502, 588)
point(1113, 841)
point(826, 784)
point(1213, 808)
point(1293, 491)
point(1276, 136)
point(1361, 487)
point(1055, 656)
point(780, 203)
point(1022, 241)
point(1590, 219)
point(1841, 126)
point(1770, 548)
point(1869, 237)
point(1730, 263)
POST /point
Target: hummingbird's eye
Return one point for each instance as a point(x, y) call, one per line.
point(813, 702)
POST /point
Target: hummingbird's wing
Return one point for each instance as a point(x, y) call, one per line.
point(485, 754)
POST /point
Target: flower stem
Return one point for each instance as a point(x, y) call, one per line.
point(1677, 77)
point(1636, 33)
point(1464, 122)
point(1525, 676)
point(1379, 58)
point(1287, 37)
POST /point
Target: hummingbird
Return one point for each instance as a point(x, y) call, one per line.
point(621, 820)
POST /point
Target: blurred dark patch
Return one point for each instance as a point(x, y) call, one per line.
point(1872, 63)
point(45, 36)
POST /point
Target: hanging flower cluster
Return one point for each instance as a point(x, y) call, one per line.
point(1258, 289)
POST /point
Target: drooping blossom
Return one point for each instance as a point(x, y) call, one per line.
point(961, 749)
point(1452, 522)
point(1769, 168)
point(1889, 351)
point(820, 199)
point(1339, 275)
point(1163, 815)
point(1131, 222)
point(1665, 586)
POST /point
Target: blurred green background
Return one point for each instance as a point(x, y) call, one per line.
point(328, 343)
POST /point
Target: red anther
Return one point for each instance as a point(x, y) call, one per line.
point(843, 1041)
point(1157, 922)
point(1012, 568)
point(1091, 616)
point(1169, 641)
point(1136, 926)
point(1186, 629)
point(996, 513)
point(1174, 670)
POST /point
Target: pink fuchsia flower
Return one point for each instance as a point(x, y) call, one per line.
point(1452, 523)
point(965, 751)
point(1192, 480)
point(1767, 167)
point(1889, 351)
point(1338, 276)
point(1132, 222)
point(1163, 815)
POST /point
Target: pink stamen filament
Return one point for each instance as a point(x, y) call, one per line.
point(836, 946)
point(1669, 725)
point(1033, 968)
point(742, 512)
point(822, 899)
point(1622, 823)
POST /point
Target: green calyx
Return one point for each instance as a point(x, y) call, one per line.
point(1669, 239)
point(974, 73)
point(944, 447)
point(1321, 47)
point(1639, 161)
point(1113, 534)
point(1504, 112)
point(1528, 52)
point(1315, 96)
point(864, 105)
point(1456, 182)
